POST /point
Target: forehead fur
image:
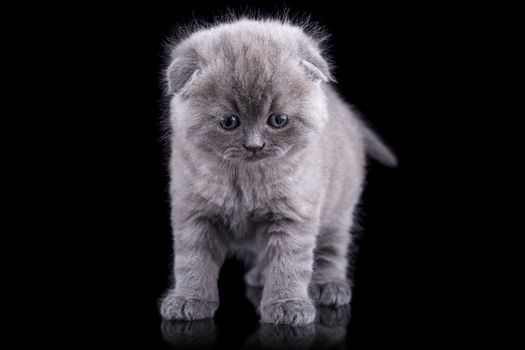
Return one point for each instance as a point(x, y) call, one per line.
point(256, 36)
point(247, 56)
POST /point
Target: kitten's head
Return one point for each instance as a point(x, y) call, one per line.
point(248, 90)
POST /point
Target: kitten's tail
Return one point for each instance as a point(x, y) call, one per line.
point(377, 149)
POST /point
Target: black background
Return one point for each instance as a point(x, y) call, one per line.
point(102, 204)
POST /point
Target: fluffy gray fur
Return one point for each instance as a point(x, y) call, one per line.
point(292, 203)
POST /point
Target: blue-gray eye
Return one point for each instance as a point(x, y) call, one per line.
point(277, 120)
point(230, 122)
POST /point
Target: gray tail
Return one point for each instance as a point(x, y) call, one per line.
point(377, 149)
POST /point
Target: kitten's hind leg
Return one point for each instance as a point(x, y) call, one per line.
point(255, 277)
point(330, 284)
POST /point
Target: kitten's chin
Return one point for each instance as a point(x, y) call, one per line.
point(249, 158)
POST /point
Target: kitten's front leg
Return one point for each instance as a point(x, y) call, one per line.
point(199, 253)
point(330, 284)
point(287, 262)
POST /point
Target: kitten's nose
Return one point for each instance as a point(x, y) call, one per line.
point(254, 148)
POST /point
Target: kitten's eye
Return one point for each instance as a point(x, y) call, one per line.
point(229, 122)
point(277, 120)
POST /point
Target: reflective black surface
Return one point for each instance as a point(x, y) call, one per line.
point(328, 331)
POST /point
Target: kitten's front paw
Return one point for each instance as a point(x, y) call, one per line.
point(181, 308)
point(331, 293)
point(290, 312)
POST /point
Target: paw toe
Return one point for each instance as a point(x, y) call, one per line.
point(332, 293)
point(181, 308)
point(290, 312)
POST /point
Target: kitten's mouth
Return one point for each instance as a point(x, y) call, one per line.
point(252, 157)
point(266, 154)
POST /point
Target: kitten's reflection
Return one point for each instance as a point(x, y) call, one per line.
point(328, 330)
point(189, 334)
point(331, 326)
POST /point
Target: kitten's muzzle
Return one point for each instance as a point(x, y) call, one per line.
point(254, 148)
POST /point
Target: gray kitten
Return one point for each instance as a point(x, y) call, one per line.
point(265, 157)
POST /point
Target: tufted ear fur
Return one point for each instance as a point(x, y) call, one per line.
point(182, 70)
point(316, 66)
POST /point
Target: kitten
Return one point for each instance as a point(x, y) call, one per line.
point(265, 157)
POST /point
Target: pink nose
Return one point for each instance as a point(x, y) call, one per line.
point(254, 148)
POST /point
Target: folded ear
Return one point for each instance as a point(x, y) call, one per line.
point(316, 66)
point(182, 70)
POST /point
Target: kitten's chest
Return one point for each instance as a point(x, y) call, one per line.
point(247, 198)
point(244, 205)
